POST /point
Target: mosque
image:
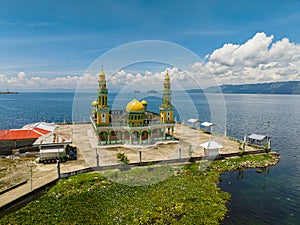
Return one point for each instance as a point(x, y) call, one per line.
point(135, 125)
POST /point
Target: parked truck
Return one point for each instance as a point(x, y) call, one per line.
point(51, 154)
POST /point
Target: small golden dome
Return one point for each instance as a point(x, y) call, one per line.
point(94, 103)
point(144, 102)
point(134, 106)
point(102, 72)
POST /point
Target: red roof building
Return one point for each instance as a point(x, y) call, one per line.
point(22, 134)
point(24, 137)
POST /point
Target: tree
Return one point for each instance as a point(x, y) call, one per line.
point(123, 158)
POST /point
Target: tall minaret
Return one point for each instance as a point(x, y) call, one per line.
point(166, 108)
point(103, 111)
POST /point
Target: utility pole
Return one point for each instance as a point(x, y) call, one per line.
point(30, 176)
point(244, 142)
point(268, 128)
point(179, 153)
point(140, 156)
point(268, 138)
point(58, 169)
point(97, 157)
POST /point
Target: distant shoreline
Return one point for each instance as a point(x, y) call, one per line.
point(8, 93)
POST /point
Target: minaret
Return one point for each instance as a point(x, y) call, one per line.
point(103, 111)
point(166, 108)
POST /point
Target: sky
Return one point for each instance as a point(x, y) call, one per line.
point(46, 44)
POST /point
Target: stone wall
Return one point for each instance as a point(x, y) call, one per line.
point(6, 146)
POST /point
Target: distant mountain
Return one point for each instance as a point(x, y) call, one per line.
point(289, 87)
point(54, 90)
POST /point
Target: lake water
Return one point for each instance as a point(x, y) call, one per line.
point(271, 197)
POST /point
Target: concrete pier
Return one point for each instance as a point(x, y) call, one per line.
point(90, 154)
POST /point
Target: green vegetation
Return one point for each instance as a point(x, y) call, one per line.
point(140, 176)
point(123, 158)
point(13, 171)
point(189, 196)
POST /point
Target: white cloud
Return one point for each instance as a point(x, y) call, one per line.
point(257, 60)
point(260, 59)
point(36, 83)
point(21, 75)
point(2, 78)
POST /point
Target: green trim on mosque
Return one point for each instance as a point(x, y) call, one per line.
point(135, 125)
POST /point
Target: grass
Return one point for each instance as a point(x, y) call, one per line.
point(13, 171)
point(189, 196)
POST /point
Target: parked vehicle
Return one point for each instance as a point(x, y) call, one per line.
point(52, 154)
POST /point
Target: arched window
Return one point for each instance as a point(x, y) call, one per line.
point(103, 118)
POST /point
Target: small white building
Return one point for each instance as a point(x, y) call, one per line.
point(211, 148)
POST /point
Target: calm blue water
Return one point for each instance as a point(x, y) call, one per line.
point(271, 197)
point(24, 108)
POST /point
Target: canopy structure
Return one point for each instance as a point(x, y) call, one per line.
point(192, 120)
point(257, 137)
point(260, 140)
point(207, 124)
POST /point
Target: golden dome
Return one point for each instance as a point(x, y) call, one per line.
point(94, 103)
point(144, 102)
point(102, 72)
point(135, 106)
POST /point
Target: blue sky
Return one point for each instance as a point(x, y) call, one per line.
point(54, 38)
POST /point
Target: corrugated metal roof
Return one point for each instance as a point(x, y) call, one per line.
point(207, 124)
point(21, 134)
point(41, 125)
point(257, 137)
point(30, 131)
point(53, 138)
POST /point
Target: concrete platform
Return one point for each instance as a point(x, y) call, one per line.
point(189, 141)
